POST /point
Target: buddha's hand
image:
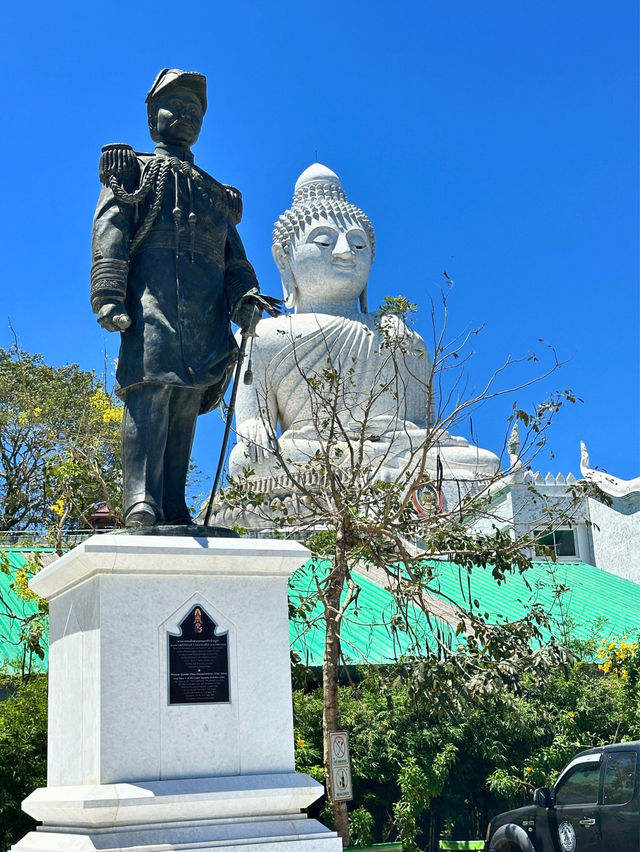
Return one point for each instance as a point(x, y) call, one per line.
point(258, 442)
point(113, 317)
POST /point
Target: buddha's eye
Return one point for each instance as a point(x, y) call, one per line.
point(323, 241)
point(357, 241)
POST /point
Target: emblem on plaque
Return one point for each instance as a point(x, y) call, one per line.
point(198, 661)
point(197, 620)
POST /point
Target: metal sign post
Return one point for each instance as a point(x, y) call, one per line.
point(340, 764)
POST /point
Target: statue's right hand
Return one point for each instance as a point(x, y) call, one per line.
point(258, 443)
point(113, 317)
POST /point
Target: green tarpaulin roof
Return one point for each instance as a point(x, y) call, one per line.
point(584, 601)
point(367, 634)
point(594, 603)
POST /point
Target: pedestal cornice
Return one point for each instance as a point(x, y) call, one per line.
point(117, 554)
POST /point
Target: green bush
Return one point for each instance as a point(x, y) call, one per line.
point(23, 752)
point(360, 827)
point(419, 775)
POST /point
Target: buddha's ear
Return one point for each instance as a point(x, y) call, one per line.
point(288, 281)
point(280, 256)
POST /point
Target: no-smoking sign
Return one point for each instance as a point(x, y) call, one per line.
point(340, 766)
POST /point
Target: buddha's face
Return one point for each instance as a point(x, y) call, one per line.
point(330, 261)
point(179, 118)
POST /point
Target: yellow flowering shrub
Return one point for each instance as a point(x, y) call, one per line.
point(102, 405)
point(58, 507)
point(620, 658)
point(20, 583)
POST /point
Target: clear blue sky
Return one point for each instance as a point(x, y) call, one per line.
point(497, 140)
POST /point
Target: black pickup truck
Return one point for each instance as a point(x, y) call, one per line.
point(594, 806)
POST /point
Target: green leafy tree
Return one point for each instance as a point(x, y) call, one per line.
point(59, 460)
point(59, 446)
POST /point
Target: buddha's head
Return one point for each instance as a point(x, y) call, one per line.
point(323, 246)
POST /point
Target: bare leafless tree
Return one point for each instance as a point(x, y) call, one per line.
point(354, 514)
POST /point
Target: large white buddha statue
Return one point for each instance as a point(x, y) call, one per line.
point(324, 247)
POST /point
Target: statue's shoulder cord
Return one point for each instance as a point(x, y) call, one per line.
point(121, 169)
point(231, 195)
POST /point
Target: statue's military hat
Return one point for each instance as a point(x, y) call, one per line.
point(173, 78)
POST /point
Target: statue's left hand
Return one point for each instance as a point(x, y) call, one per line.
point(247, 316)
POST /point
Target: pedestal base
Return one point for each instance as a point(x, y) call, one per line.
point(236, 813)
point(134, 767)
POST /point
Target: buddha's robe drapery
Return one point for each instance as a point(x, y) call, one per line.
point(364, 380)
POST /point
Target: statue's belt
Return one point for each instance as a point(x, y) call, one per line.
point(165, 238)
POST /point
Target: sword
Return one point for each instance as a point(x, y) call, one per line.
point(227, 425)
point(274, 308)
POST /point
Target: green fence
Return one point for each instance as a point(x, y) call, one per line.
point(397, 847)
point(376, 847)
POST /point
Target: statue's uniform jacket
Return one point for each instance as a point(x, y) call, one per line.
point(180, 307)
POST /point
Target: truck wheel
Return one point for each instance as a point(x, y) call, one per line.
point(510, 838)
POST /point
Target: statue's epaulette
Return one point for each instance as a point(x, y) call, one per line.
point(120, 161)
point(234, 200)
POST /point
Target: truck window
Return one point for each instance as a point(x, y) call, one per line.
point(619, 778)
point(580, 787)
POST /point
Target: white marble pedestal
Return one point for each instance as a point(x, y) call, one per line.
point(127, 770)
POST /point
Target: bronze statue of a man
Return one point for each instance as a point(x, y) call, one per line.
point(169, 273)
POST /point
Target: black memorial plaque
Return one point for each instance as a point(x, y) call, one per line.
point(198, 661)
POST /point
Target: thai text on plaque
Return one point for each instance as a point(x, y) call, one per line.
point(198, 661)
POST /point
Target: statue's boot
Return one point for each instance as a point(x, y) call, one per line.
point(141, 515)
